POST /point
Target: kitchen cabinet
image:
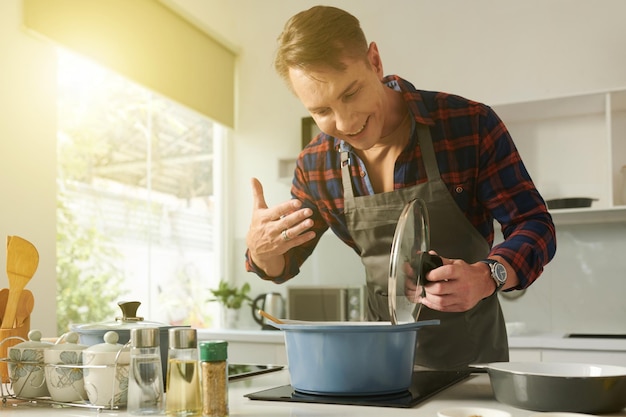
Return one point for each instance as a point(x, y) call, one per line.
point(250, 346)
point(584, 356)
point(568, 355)
point(574, 146)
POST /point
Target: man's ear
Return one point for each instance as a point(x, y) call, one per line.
point(373, 57)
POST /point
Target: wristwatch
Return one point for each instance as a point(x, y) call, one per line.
point(498, 272)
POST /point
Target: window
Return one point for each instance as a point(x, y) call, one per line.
point(137, 214)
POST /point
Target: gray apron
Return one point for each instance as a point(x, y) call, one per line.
point(474, 336)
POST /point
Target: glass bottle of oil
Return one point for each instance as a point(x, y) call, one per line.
point(183, 397)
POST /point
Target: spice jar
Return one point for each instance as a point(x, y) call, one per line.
point(214, 365)
point(183, 397)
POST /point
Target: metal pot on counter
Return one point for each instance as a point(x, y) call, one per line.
point(93, 333)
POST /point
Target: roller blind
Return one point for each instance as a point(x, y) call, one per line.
point(147, 42)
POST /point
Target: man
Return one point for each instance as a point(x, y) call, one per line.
point(383, 144)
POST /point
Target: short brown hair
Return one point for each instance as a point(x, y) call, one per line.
point(322, 35)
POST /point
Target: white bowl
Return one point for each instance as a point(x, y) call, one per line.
point(472, 412)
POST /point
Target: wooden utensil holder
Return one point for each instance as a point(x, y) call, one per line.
point(21, 332)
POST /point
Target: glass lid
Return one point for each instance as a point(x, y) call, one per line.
point(409, 262)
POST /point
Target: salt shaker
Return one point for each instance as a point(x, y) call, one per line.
point(183, 397)
point(145, 379)
point(213, 361)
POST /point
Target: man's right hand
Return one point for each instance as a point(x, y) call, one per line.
point(273, 231)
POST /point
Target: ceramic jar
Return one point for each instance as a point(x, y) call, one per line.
point(63, 378)
point(26, 367)
point(106, 372)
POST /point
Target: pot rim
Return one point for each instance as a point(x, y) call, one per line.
point(352, 327)
point(569, 370)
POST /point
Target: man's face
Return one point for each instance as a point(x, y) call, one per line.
point(348, 104)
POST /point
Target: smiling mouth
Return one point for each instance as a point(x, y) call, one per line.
point(360, 130)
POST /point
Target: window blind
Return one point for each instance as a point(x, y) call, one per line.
point(147, 42)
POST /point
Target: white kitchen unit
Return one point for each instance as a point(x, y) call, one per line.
point(558, 348)
point(574, 146)
point(250, 346)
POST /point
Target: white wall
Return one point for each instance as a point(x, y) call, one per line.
point(28, 155)
point(491, 50)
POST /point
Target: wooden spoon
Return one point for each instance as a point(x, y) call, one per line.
point(270, 317)
point(24, 308)
point(22, 262)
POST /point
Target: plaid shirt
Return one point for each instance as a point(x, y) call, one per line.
point(477, 160)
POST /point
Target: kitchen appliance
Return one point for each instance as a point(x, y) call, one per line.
point(347, 358)
point(272, 303)
point(424, 384)
point(563, 387)
point(326, 303)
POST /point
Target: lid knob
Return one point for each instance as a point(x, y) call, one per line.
point(129, 311)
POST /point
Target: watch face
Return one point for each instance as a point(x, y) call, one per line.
point(500, 272)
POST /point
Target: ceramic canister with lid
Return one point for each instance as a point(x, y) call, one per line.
point(63, 378)
point(106, 372)
point(26, 367)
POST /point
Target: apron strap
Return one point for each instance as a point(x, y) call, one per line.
point(348, 193)
point(428, 152)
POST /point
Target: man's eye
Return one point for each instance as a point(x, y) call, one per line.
point(352, 94)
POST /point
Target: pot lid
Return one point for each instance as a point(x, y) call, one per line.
point(129, 320)
point(409, 262)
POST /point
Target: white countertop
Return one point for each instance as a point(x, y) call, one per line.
point(475, 391)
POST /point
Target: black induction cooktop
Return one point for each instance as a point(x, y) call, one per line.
point(424, 385)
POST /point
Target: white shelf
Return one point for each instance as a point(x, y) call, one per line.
point(589, 215)
point(574, 146)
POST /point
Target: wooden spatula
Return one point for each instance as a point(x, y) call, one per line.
point(22, 262)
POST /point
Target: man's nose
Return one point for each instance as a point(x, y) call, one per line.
point(347, 123)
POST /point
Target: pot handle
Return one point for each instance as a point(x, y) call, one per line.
point(255, 308)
